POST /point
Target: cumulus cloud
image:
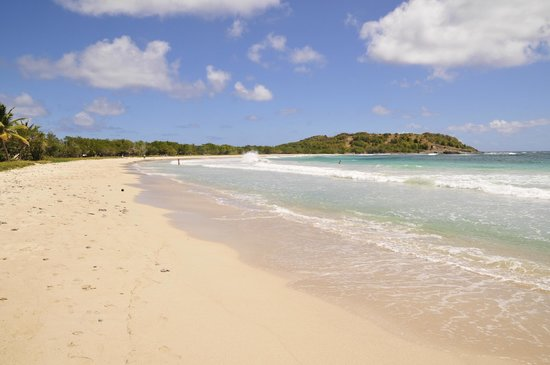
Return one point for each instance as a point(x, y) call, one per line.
point(102, 106)
point(272, 41)
point(142, 8)
point(500, 126)
point(456, 33)
point(25, 106)
point(217, 79)
point(83, 119)
point(254, 52)
point(277, 42)
point(306, 55)
point(119, 64)
point(505, 127)
point(380, 110)
point(236, 29)
point(302, 57)
point(258, 93)
point(109, 65)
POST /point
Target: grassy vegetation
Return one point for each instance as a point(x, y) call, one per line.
point(10, 165)
point(17, 164)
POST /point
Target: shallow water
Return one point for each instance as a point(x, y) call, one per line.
point(453, 249)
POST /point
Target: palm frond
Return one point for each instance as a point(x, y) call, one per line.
point(21, 139)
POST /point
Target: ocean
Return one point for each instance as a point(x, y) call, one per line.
point(450, 249)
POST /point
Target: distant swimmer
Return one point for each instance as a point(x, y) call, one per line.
point(339, 162)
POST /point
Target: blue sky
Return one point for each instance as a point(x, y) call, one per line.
point(273, 71)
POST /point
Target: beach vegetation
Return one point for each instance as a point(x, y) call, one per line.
point(14, 164)
point(23, 140)
point(11, 130)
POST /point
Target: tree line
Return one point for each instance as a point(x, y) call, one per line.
point(25, 141)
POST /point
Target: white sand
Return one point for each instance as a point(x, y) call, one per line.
point(82, 282)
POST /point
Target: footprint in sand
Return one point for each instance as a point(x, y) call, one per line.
point(88, 287)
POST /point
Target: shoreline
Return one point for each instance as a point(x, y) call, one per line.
point(294, 250)
point(90, 275)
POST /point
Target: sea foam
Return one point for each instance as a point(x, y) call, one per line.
point(505, 185)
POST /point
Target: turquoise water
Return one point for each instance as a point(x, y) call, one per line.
point(457, 246)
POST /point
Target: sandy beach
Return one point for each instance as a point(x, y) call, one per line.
point(90, 276)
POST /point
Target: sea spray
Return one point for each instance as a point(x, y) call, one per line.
point(250, 157)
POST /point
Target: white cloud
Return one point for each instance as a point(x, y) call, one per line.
point(505, 127)
point(259, 93)
point(442, 73)
point(236, 29)
point(102, 106)
point(83, 119)
point(141, 8)
point(299, 56)
point(272, 41)
point(351, 21)
point(217, 79)
point(110, 65)
point(254, 52)
point(469, 128)
point(277, 42)
point(25, 106)
point(252, 118)
point(380, 110)
point(119, 64)
point(457, 33)
point(500, 126)
point(306, 55)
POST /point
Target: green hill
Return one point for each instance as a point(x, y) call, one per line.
point(374, 143)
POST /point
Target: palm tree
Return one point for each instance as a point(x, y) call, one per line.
point(37, 142)
point(10, 128)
